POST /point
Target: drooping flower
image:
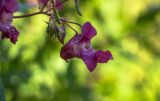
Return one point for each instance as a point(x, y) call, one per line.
point(80, 46)
point(10, 32)
point(7, 8)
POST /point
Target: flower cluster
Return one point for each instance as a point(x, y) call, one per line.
point(7, 8)
point(79, 46)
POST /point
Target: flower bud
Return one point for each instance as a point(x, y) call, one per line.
point(56, 30)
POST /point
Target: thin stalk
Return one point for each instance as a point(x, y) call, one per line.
point(71, 22)
point(40, 12)
point(31, 14)
point(55, 12)
point(71, 27)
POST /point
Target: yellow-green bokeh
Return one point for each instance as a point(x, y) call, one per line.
point(32, 70)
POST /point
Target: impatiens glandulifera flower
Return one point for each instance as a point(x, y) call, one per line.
point(80, 46)
point(7, 8)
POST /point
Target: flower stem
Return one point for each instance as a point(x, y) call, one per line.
point(31, 14)
point(55, 12)
point(71, 22)
point(41, 12)
point(71, 27)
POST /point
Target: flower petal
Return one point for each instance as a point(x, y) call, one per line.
point(103, 57)
point(9, 32)
point(2, 2)
point(11, 6)
point(71, 49)
point(6, 17)
point(58, 5)
point(88, 31)
point(89, 59)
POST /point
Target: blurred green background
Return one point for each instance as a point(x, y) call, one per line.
point(32, 70)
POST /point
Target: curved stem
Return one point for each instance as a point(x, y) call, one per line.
point(71, 22)
point(31, 14)
point(71, 27)
point(40, 12)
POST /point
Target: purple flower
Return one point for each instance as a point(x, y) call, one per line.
point(10, 32)
point(80, 46)
point(7, 8)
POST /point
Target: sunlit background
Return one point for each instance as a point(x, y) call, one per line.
point(32, 70)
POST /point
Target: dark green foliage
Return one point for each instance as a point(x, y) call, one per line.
point(2, 92)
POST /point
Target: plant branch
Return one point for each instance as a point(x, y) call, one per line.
point(41, 12)
point(31, 14)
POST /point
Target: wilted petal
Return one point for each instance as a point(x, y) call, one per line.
point(88, 31)
point(89, 59)
point(103, 57)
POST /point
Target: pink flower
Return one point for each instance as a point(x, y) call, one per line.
point(80, 46)
point(10, 32)
point(7, 8)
